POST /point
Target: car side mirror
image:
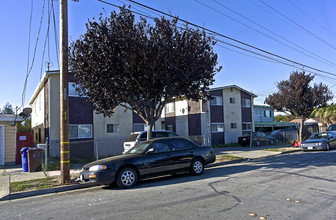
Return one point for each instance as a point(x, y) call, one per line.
point(150, 151)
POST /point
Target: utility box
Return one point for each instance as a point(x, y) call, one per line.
point(34, 159)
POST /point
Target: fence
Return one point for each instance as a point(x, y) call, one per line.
point(277, 137)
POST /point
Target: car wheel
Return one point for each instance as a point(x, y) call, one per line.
point(328, 147)
point(127, 178)
point(197, 167)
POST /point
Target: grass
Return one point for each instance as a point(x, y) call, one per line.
point(226, 145)
point(282, 149)
point(37, 184)
point(227, 157)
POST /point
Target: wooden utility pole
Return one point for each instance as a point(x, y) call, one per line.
point(64, 95)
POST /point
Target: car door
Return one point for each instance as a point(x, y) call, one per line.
point(332, 140)
point(182, 152)
point(160, 160)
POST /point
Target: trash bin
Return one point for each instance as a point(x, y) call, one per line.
point(24, 159)
point(34, 159)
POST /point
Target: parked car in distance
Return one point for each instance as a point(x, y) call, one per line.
point(332, 127)
point(258, 138)
point(284, 135)
point(319, 141)
point(149, 158)
point(137, 137)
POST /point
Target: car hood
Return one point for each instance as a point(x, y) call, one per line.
point(314, 141)
point(109, 160)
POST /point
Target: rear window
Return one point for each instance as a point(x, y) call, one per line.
point(131, 138)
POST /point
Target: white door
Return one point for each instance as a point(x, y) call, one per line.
point(2, 145)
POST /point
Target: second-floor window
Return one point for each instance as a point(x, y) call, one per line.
point(232, 100)
point(246, 103)
point(170, 107)
point(217, 100)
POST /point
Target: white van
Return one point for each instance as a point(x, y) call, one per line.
point(137, 137)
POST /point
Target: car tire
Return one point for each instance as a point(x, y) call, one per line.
point(197, 167)
point(328, 147)
point(127, 178)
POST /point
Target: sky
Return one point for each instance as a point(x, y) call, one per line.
point(302, 31)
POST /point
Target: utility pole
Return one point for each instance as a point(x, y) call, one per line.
point(64, 95)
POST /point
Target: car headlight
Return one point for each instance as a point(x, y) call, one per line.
point(319, 143)
point(98, 167)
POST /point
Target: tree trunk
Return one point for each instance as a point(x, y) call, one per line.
point(302, 120)
point(150, 126)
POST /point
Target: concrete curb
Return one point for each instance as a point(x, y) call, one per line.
point(59, 189)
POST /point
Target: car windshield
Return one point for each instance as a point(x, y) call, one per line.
point(319, 136)
point(139, 148)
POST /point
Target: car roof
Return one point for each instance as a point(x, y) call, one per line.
point(140, 132)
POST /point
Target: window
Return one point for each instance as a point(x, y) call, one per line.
point(233, 125)
point(80, 131)
point(180, 145)
point(161, 146)
point(111, 128)
point(217, 127)
point(246, 103)
point(170, 127)
point(139, 127)
point(247, 126)
point(72, 90)
point(217, 100)
point(267, 113)
point(232, 100)
point(170, 107)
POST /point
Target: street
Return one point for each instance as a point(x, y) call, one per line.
point(290, 186)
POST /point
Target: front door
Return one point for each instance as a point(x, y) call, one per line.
point(2, 145)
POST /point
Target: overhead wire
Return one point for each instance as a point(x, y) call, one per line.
point(300, 26)
point(311, 18)
point(319, 58)
point(235, 40)
point(33, 59)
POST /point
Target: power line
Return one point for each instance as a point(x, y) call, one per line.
point(33, 60)
point(311, 18)
point(232, 39)
point(314, 35)
point(321, 59)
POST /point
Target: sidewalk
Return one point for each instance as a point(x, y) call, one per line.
point(10, 174)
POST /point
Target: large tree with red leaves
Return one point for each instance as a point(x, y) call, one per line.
point(298, 97)
point(141, 66)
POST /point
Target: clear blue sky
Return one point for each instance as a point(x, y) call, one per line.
point(316, 37)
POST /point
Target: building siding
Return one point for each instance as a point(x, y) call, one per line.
point(10, 143)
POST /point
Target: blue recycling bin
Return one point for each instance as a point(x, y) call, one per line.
point(24, 158)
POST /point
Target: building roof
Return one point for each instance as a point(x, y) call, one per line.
point(262, 106)
point(233, 86)
point(11, 117)
point(273, 124)
point(41, 84)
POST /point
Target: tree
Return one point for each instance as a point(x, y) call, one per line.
point(283, 118)
point(326, 114)
point(7, 109)
point(298, 97)
point(25, 126)
point(141, 66)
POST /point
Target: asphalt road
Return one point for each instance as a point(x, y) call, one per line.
point(292, 186)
